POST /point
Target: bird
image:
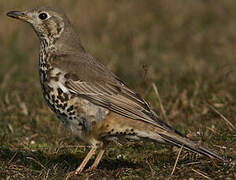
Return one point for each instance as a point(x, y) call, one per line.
point(96, 105)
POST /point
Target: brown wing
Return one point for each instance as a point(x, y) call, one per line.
point(93, 81)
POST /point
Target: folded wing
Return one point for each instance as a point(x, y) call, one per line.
point(94, 82)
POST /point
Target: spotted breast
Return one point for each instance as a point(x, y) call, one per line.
point(77, 114)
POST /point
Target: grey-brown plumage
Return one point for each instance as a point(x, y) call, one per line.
point(89, 99)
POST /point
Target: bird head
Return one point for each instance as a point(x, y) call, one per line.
point(47, 22)
point(50, 24)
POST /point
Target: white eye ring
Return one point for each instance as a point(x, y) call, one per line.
point(43, 15)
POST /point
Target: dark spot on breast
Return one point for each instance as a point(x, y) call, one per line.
point(66, 97)
point(42, 65)
point(63, 106)
point(70, 108)
point(59, 91)
point(43, 75)
point(58, 105)
point(72, 113)
point(58, 74)
point(47, 65)
point(61, 98)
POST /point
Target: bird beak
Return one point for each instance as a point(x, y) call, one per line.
point(18, 15)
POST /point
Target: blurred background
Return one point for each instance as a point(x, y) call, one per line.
point(187, 48)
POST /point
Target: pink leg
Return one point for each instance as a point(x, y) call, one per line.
point(85, 161)
point(97, 160)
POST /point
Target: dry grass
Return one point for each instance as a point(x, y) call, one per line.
point(186, 48)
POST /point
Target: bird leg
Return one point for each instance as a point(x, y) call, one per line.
point(85, 161)
point(97, 160)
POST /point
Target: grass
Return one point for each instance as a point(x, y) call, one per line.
point(186, 48)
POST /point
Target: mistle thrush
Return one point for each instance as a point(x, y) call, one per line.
point(89, 99)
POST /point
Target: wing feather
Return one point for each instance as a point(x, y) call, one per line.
point(94, 82)
point(117, 99)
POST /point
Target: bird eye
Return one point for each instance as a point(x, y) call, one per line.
point(43, 16)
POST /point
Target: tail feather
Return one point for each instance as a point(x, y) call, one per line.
point(170, 135)
point(189, 145)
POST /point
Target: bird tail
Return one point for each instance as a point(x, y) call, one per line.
point(173, 138)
